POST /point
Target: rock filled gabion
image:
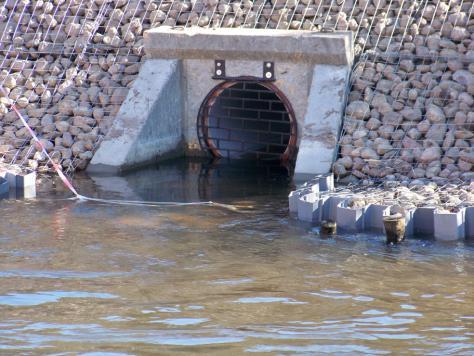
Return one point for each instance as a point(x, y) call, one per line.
point(68, 64)
point(405, 196)
point(410, 112)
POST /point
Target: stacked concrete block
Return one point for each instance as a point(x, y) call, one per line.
point(4, 188)
point(309, 208)
point(365, 211)
point(330, 206)
point(409, 222)
point(449, 226)
point(350, 219)
point(373, 220)
point(326, 182)
point(424, 221)
point(309, 192)
point(21, 184)
point(469, 219)
point(293, 200)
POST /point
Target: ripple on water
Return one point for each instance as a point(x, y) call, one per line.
point(374, 312)
point(58, 274)
point(347, 349)
point(232, 282)
point(255, 300)
point(168, 310)
point(31, 299)
point(180, 321)
point(334, 294)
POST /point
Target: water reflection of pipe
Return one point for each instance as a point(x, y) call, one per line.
point(249, 177)
point(204, 180)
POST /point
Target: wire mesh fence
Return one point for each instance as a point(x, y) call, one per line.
point(68, 64)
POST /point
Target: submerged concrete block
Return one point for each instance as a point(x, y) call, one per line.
point(373, 219)
point(24, 180)
point(312, 186)
point(330, 204)
point(4, 187)
point(350, 219)
point(20, 184)
point(293, 201)
point(410, 223)
point(309, 208)
point(27, 192)
point(469, 218)
point(149, 122)
point(326, 182)
point(294, 196)
point(10, 177)
point(449, 226)
point(423, 223)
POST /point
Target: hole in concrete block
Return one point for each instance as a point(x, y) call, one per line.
point(248, 120)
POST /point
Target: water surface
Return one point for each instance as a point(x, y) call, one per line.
point(77, 278)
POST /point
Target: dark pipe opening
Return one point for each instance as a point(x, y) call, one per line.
point(248, 120)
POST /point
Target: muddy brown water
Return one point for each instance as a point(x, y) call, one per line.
point(86, 278)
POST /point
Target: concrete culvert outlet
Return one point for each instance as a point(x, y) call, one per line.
point(262, 95)
point(248, 120)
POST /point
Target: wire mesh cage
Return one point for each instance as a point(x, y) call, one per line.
point(68, 65)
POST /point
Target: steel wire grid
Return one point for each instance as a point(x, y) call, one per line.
point(89, 51)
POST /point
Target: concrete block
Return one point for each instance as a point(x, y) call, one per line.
point(423, 223)
point(20, 182)
point(312, 185)
point(469, 219)
point(326, 182)
point(294, 196)
point(322, 121)
point(349, 219)
point(373, 219)
point(148, 125)
point(330, 204)
point(410, 223)
point(309, 208)
point(293, 201)
point(449, 226)
point(10, 177)
point(28, 192)
point(4, 187)
point(24, 180)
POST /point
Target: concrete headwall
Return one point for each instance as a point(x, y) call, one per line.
point(161, 110)
point(293, 81)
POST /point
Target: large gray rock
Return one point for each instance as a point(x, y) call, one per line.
point(358, 110)
point(435, 115)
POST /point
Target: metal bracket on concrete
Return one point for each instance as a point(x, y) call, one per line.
point(268, 71)
point(219, 69)
point(268, 74)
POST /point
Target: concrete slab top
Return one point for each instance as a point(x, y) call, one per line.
point(249, 44)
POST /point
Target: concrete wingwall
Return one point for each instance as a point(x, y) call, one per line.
point(323, 120)
point(148, 124)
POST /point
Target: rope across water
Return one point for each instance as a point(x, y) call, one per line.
point(80, 197)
